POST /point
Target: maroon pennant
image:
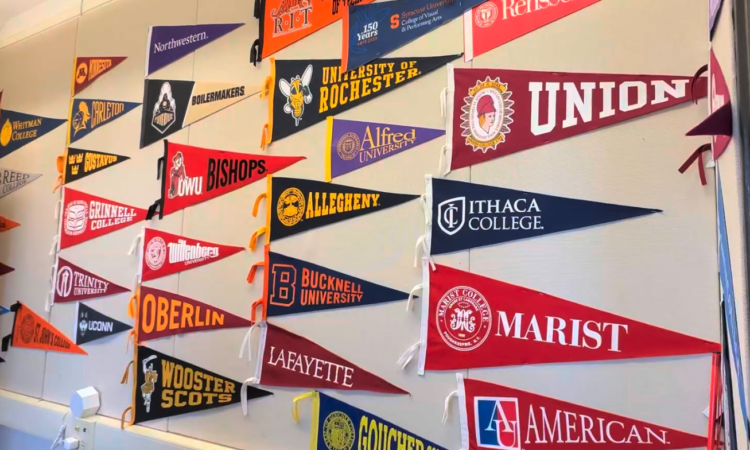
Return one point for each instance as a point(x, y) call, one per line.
point(5, 269)
point(718, 124)
point(72, 283)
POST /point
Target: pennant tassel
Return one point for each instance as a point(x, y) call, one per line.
point(126, 374)
point(408, 355)
point(256, 205)
point(53, 247)
point(243, 393)
point(253, 308)
point(255, 236)
point(264, 137)
point(443, 167)
point(694, 82)
point(138, 238)
point(422, 244)
point(416, 288)
point(122, 417)
point(246, 342)
point(7, 342)
point(255, 48)
point(447, 409)
point(295, 404)
point(697, 155)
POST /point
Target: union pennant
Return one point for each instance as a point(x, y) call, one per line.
point(74, 164)
point(18, 129)
point(87, 69)
point(72, 284)
point(92, 325)
point(7, 224)
point(87, 116)
point(13, 180)
point(30, 330)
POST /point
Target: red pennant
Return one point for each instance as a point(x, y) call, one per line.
point(499, 417)
point(5, 269)
point(88, 69)
point(72, 283)
point(7, 224)
point(164, 253)
point(30, 330)
point(718, 124)
point(85, 216)
point(474, 321)
point(290, 360)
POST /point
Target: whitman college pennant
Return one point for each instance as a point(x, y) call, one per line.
point(18, 129)
point(86, 70)
point(497, 112)
point(352, 144)
point(30, 330)
point(13, 180)
point(7, 224)
point(718, 124)
point(72, 284)
point(92, 325)
point(171, 105)
point(5, 269)
point(164, 386)
point(75, 164)
point(167, 44)
point(499, 417)
point(304, 92)
point(86, 116)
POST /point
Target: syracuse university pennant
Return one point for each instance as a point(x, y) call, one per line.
point(167, 44)
point(86, 70)
point(18, 129)
point(72, 284)
point(13, 180)
point(30, 330)
point(92, 325)
point(171, 105)
point(86, 116)
point(7, 224)
point(497, 112)
point(352, 144)
point(74, 164)
point(499, 417)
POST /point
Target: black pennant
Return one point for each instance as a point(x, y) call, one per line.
point(165, 104)
point(82, 163)
point(92, 325)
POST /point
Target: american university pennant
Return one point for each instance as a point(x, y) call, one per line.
point(74, 164)
point(87, 69)
point(30, 330)
point(92, 325)
point(13, 180)
point(73, 284)
point(18, 129)
point(7, 224)
point(167, 44)
point(86, 116)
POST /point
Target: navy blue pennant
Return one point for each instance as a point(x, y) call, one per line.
point(18, 129)
point(89, 115)
point(92, 325)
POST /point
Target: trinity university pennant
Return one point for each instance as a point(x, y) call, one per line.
point(467, 215)
point(7, 224)
point(164, 386)
point(86, 116)
point(171, 105)
point(72, 284)
point(30, 330)
point(718, 124)
point(13, 180)
point(167, 44)
point(86, 70)
point(497, 112)
point(85, 216)
point(499, 417)
point(5, 269)
point(302, 93)
point(18, 129)
point(92, 325)
point(74, 164)
point(352, 144)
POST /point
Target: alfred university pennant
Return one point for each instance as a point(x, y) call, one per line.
point(13, 180)
point(88, 69)
point(85, 216)
point(74, 164)
point(191, 175)
point(18, 129)
point(5, 269)
point(304, 92)
point(72, 284)
point(497, 112)
point(718, 124)
point(86, 116)
point(352, 144)
point(167, 44)
point(7, 224)
point(164, 386)
point(171, 105)
point(500, 417)
point(30, 330)
point(92, 325)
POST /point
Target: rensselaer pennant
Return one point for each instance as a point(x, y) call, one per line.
point(500, 417)
point(86, 116)
point(13, 180)
point(74, 164)
point(7, 224)
point(87, 69)
point(302, 93)
point(92, 325)
point(18, 129)
point(5, 269)
point(496, 112)
point(168, 43)
point(72, 284)
point(466, 215)
point(30, 330)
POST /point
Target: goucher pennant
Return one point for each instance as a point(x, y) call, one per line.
point(87, 69)
point(30, 330)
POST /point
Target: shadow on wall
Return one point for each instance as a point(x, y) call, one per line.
point(11, 439)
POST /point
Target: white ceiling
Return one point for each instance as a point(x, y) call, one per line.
point(11, 8)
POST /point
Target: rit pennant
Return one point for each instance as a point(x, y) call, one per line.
point(30, 330)
point(74, 164)
point(87, 69)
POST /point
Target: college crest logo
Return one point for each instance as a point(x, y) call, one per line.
point(463, 318)
point(486, 114)
point(348, 146)
point(64, 281)
point(76, 218)
point(291, 206)
point(27, 328)
point(452, 215)
point(156, 253)
point(338, 431)
point(497, 423)
point(297, 93)
point(165, 109)
point(485, 14)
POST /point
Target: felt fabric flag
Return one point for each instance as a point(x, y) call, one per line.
point(3, 310)
point(13, 180)
point(73, 284)
point(167, 44)
point(74, 164)
point(7, 224)
point(5, 269)
point(87, 69)
point(714, 9)
point(18, 129)
point(30, 330)
point(351, 144)
point(191, 175)
point(718, 124)
point(86, 116)
point(171, 105)
point(496, 112)
point(92, 325)
point(499, 417)
point(302, 93)
point(165, 386)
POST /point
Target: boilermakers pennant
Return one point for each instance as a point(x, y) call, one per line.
point(92, 325)
point(718, 124)
point(72, 284)
point(167, 44)
point(7, 224)
point(18, 129)
point(497, 112)
point(352, 144)
point(5, 269)
point(164, 386)
point(500, 417)
point(30, 330)
point(74, 164)
point(302, 93)
point(88, 115)
point(466, 215)
point(171, 105)
point(13, 180)
point(87, 69)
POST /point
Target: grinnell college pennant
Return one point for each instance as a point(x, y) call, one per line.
point(18, 129)
point(30, 330)
point(89, 115)
point(86, 70)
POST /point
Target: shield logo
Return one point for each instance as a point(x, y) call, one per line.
point(452, 215)
point(497, 423)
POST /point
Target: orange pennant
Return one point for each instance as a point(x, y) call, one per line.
point(7, 224)
point(30, 330)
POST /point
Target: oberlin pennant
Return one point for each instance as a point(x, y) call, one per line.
point(5, 269)
point(13, 180)
point(92, 325)
point(466, 215)
point(302, 93)
point(87, 69)
point(164, 386)
point(171, 105)
point(74, 164)
point(191, 175)
point(352, 144)
point(718, 124)
point(85, 216)
point(499, 417)
point(497, 112)
point(18, 129)
point(72, 284)
point(30, 330)
point(86, 116)
point(7, 224)
point(167, 44)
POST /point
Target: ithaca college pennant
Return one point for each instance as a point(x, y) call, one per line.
point(164, 386)
point(7, 224)
point(171, 105)
point(30, 330)
point(13, 180)
point(74, 164)
point(167, 44)
point(86, 116)
point(466, 215)
point(718, 124)
point(92, 325)
point(5, 269)
point(352, 144)
point(499, 417)
point(496, 22)
point(72, 284)
point(497, 112)
point(304, 92)
point(18, 129)
point(85, 216)
point(86, 70)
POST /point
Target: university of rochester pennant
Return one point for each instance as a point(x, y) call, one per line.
point(18, 129)
point(168, 43)
point(87, 69)
point(7, 224)
point(71, 283)
point(74, 164)
point(92, 325)
point(13, 180)
point(30, 330)
point(89, 115)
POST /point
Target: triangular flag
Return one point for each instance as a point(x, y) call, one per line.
point(714, 8)
point(5, 269)
point(72, 284)
point(164, 253)
point(496, 112)
point(171, 105)
point(87, 69)
point(88, 115)
point(191, 175)
point(302, 93)
point(164, 386)
point(75, 164)
point(13, 180)
point(496, 22)
point(85, 216)
point(500, 417)
point(4, 310)
point(7, 224)
point(92, 325)
point(167, 44)
point(352, 144)
point(290, 360)
point(718, 124)
point(466, 215)
point(30, 330)
point(18, 129)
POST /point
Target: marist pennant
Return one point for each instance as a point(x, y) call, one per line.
point(74, 164)
point(18, 129)
point(7, 224)
point(88, 69)
point(13, 180)
point(72, 284)
point(30, 330)
point(92, 325)
point(167, 44)
point(86, 116)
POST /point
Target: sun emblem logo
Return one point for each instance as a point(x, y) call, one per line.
point(290, 207)
point(486, 114)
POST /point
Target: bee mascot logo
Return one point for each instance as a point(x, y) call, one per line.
point(291, 206)
point(165, 110)
point(338, 431)
point(81, 118)
point(297, 93)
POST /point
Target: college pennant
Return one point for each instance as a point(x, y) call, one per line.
point(351, 144)
point(7, 224)
point(498, 417)
point(171, 105)
point(5, 269)
point(74, 164)
point(87, 69)
point(73, 284)
point(13, 180)
point(302, 93)
point(497, 112)
point(3, 310)
point(30, 330)
point(718, 124)
point(18, 129)
point(89, 115)
point(164, 386)
point(92, 325)
point(714, 8)
point(167, 44)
